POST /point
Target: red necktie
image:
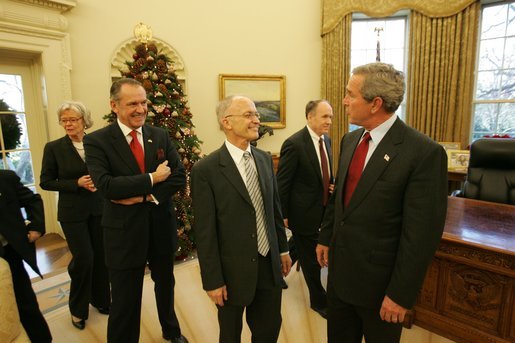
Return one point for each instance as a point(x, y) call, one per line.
point(356, 168)
point(137, 151)
point(325, 171)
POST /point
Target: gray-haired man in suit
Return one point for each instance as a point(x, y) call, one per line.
point(386, 216)
point(137, 169)
point(305, 181)
point(242, 247)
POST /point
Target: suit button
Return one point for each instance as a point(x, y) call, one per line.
point(253, 259)
point(342, 222)
point(253, 235)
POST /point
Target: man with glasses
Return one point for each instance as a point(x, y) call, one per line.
point(241, 241)
point(138, 170)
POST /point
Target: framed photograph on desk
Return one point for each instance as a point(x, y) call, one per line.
point(458, 160)
point(450, 145)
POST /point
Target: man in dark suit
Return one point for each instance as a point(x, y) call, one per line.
point(17, 245)
point(241, 241)
point(304, 178)
point(137, 169)
point(386, 216)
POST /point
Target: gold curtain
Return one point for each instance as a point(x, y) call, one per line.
point(335, 75)
point(334, 10)
point(441, 74)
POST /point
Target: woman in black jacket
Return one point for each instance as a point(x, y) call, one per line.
point(79, 211)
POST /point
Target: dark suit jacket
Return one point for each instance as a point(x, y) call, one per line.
point(300, 182)
point(382, 243)
point(127, 229)
point(13, 196)
point(62, 167)
point(225, 224)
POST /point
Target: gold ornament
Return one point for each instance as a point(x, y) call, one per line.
point(143, 32)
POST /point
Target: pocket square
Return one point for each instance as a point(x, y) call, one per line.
point(160, 154)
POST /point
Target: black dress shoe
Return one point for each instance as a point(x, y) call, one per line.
point(180, 339)
point(321, 311)
point(81, 324)
point(103, 310)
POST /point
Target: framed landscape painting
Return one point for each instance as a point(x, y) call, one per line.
point(267, 92)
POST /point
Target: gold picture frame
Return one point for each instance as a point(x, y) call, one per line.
point(267, 92)
point(458, 159)
point(450, 145)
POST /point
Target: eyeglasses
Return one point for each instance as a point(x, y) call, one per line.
point(69, 120)
point(246, 115)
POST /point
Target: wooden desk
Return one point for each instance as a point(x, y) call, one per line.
point(275, 160)
point(469, 291)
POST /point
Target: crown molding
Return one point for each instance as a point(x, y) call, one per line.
point(59, 5)
point(35, 14)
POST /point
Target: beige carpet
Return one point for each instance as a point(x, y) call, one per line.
point(196, 313)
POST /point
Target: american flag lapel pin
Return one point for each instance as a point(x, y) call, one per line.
point(386, 157)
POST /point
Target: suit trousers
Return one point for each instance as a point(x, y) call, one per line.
point(87, 269)
point(306, 252)
point(263, 314)
point(348, 323)
point(126, 292)
point(31, 317)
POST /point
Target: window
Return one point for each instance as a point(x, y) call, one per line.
point(387, 36)
point(494, 103)
point(14, 143)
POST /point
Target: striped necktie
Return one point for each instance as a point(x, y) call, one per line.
point(257, 201)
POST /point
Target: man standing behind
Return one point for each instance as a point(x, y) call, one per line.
point(241, 241)
point(384, 222)
point(17, 245)
point(304, 178)
point(137, 169)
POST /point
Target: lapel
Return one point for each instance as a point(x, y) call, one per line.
point(312, 154)
point(150, 146)
point(231, 173)
point(263, 170)
point(349, 144)
point(378, 163)
point(327, 142)
point(68, 146)
point(119, 142)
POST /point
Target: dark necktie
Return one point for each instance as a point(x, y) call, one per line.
point(356, 168)
point(257, 201)
point(137, 151)
point(325, 171)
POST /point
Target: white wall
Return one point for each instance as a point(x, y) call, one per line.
point(212, 37)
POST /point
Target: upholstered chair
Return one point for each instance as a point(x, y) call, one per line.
point(491, 171)
point(11, 329)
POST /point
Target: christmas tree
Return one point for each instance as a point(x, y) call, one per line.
point(168, 109)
